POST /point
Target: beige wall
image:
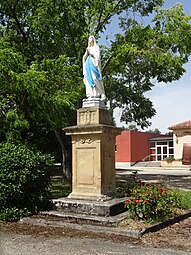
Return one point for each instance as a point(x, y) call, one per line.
point(180, 137)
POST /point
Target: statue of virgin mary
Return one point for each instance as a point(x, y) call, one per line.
point(92, 71)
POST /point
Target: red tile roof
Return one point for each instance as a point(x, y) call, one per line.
point(182, 125)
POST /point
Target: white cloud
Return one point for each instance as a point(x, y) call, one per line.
point(172, 102)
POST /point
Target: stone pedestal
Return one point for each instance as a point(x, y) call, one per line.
point(93, 155)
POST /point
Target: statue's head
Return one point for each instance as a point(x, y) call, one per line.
point(91, 40)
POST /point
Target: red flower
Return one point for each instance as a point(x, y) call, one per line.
point(154, 197)
point(127, 201)
point(137, 201)
point(146, 201)
point(161, 191)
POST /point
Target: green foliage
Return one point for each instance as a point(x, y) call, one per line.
point(49, 92)
point(144, 54)
point(12, 120)
point(123, 189)
point(132, 127)
point(41, 48)
point(36, 99)
point(24, 180)
point(154, 131)
point(152, 202)
point(47, 31)
point(169, 159)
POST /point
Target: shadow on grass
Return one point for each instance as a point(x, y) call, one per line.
point(60, 189)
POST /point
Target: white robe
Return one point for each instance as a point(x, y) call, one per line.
point(97, 91)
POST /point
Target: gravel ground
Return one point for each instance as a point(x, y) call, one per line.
point(176, 237)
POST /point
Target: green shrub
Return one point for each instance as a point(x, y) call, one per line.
point(124, 188)
point(24, 181)
point(169, 159)
point(152, 202)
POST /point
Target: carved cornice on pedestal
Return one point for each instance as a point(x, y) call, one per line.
point(94, 129)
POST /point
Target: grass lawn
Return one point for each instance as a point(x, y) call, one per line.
point(60, 189)
point(185, 198)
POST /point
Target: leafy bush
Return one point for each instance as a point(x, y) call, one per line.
point(169, 159)
point(123, 189)
point(152, 202)
point(24, 181)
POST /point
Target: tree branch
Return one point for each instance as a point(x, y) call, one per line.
point(107, 63)
point(14, 15)
point(71, 33)
point(100, 24)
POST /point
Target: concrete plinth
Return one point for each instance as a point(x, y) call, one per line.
point(93, 155)
point(106, 208)
point(94, 103)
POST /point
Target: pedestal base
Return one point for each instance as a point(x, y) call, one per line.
point(104, 208)
point(93, 102)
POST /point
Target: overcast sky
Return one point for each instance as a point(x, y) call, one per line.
point(172, 101)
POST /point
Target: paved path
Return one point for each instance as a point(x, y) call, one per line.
point(174, 177)
point(14, 244)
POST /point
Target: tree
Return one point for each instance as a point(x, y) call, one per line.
point(154, 131)
point(42, 82)
point(144, 53)
point(42, 98)
point(170, 133)
point(132, 127)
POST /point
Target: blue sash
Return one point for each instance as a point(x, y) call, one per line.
point(89, 69)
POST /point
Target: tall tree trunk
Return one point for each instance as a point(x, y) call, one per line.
point(65, 167)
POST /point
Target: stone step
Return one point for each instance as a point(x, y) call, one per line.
point(86, 219)
point(100, 208)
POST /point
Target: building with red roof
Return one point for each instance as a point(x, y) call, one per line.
point(182, 141)
point(182, 125)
